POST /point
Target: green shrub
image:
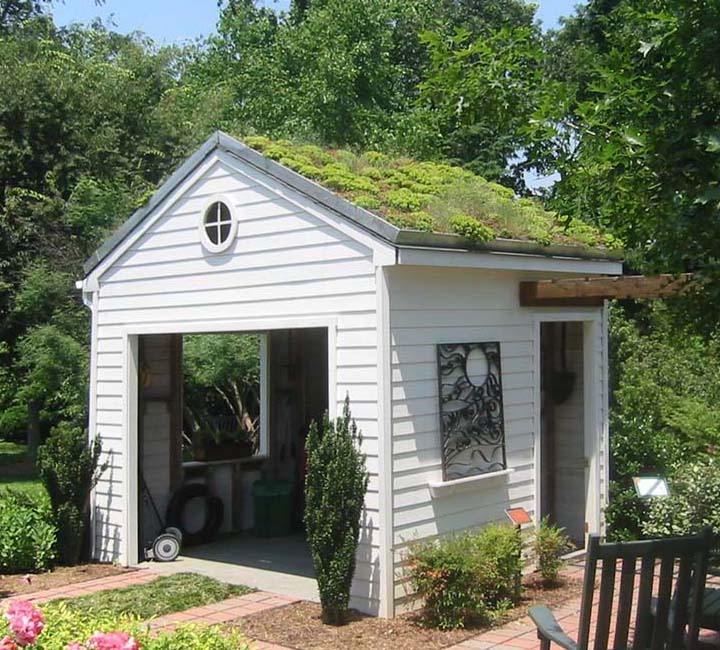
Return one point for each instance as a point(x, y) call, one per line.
point(63, 625)
point(693, 504)
point(27, 535)
point(471, 229)
point(335, 487)
point(69, 469)
point(445, 575)
point(665, 392)
point(468, 577)
point(549, 544)
point(499, 548)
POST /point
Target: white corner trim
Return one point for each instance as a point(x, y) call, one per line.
point(447, 488)
point(387, 553)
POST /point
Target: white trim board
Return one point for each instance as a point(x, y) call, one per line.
point(506, 261)
point(591, 318)
point(385, 428)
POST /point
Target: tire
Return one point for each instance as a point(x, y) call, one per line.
point(214, 513)
point(166, 548)
point(175, 532)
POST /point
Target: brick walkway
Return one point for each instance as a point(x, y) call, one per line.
point(224, 611)
point(141, 576)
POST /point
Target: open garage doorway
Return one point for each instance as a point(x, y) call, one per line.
point(222, 422)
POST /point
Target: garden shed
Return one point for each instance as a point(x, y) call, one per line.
point(365, 278)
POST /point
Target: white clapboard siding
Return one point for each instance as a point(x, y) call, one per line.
point(291, 258)
point(429, 306)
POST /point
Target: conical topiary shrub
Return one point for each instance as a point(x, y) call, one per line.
point(335, 488)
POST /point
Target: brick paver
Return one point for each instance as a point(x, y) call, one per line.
point(224, 611)
point(138, 577)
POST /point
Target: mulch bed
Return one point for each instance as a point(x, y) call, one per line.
point(299, 625)
point(17, 585)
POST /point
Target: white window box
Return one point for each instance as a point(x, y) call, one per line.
point(468, 484)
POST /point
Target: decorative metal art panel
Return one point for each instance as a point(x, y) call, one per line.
point(471, 409)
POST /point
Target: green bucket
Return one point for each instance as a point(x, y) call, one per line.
point(273, 502)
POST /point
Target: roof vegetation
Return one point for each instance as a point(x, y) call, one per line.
point(431, 196)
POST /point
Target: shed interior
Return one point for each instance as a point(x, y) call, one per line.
point(564, 478)
point(222, 424)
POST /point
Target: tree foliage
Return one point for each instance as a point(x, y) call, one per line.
point(335, 487)
point(85, 134)
point(222, 376)
point(665, 385)
point(632, 127)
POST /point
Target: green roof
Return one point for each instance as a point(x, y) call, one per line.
point(431, 196)
point(401, 201)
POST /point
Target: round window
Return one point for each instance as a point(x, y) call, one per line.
point(218, 226)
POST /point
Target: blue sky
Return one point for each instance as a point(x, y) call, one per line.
point(171, 21)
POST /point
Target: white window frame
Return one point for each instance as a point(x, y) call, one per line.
point(207, 243)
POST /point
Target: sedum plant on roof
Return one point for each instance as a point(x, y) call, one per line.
point(431, 196)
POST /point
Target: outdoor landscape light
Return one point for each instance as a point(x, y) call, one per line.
point(649, 487)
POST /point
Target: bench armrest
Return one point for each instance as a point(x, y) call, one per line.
point(548, 627)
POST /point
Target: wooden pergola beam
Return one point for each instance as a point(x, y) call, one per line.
point(589, 292)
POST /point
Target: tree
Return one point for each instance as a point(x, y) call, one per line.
point(222, 375)
point(637, 108)
point(335, 487)
point(14, 12)
point(86, 133)
point(341, 72)
point(479, 92)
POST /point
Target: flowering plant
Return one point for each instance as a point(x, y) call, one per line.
point(106, 641)
point(26, 622)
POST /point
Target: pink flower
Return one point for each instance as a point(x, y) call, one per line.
point(112, 641)
point(8, 643)
point(26, 621)
point(73, 645)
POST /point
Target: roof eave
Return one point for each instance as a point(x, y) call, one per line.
point(420, 239)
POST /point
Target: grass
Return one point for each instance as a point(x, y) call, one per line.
point(11, 452)
point(164, 595)
point(18, 471)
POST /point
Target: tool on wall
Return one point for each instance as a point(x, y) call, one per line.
point(562, 381)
